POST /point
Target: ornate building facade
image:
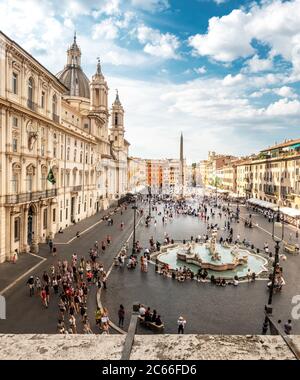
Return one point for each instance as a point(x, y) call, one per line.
point(61, 161)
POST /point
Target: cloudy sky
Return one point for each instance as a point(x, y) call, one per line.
point(224, 72)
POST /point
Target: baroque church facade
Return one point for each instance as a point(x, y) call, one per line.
point(63, 150)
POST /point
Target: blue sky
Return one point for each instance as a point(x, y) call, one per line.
point(224, 72)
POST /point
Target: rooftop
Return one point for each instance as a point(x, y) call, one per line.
point(284, 144)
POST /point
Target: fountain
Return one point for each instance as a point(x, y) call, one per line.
point(225, 259)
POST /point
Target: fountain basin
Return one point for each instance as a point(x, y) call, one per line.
point(233, 261)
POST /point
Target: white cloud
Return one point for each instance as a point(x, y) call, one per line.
point(255, 64)
point(260, 93)
point(285, 92)
point(232, 80)
point(284, 107)
point(274, 23)
point(200, 70)
point(226, 39)
point(106, 29)
point(158, 44)
point(151, 5)
point(108, 7)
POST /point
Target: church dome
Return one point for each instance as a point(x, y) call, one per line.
point(75, 80)
point(72, 76)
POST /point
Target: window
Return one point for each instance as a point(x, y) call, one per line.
point(116, 119)
point(68, 154)
point(15, 184)
point(78, 208)
point(17, 229)
point(60, 216)
point(54, 215)
point(61, 152)
point(66, 213)
point(15, 121)
point(86, 158)
point(54, 105)
point(54, 151)
point(43, 99)
point(75, 154)
point(30, 90)
point(42, 149)
point(81, 157)
point(15, 145)
point(45, 216)
point(15, 83)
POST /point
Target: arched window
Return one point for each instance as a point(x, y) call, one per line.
point(116, 119)
point(54, 104)
point(30, 92)
point(16, 173)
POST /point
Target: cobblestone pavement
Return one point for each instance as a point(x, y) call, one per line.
point(208, 309)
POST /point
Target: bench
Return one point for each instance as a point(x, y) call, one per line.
point(151, 325)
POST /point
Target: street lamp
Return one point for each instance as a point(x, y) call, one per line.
point(149, 198)
point(277, 222)
point(134, 218)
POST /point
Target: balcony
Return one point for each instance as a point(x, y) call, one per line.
point(31, 105)
point(30, 197)
point(55, 118)
point(75, 189)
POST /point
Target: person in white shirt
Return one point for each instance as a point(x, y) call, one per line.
point(142, 310)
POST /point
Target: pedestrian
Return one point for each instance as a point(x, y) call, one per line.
point(54, 250)
point(121, 314)
point(288, 327)
point(30, 283)
point(38, 285)
point(44, 297)
point(50, 245)
point(181, 325)
point(104, 277)
point(72, 322)
point(122, 226)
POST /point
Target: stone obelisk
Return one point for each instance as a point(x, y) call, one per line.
point(181, 164)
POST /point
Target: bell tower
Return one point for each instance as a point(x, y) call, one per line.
point(99, 92)
point(117, 123)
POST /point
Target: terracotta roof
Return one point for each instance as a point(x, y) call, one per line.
point(282, 145)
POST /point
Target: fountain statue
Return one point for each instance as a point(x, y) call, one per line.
point(212, 246)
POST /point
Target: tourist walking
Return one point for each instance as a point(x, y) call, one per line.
point(121, 314)
point(30, 283)
point(181, 325)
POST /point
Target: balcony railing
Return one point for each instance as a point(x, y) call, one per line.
point(29, 197)
point(55, 118)
point(77, 188)
point(31, 105)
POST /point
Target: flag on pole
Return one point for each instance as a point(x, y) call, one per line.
point(51, 177)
